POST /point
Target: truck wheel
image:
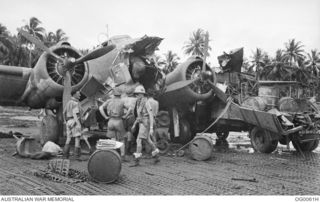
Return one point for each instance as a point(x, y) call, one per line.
point(222, 135)
point(49, 129)
point(306, 146)
point(262, 141)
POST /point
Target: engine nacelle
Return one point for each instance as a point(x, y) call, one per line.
point(46, 80)
point(199, 90)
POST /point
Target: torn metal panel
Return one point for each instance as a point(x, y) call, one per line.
point(145, 45)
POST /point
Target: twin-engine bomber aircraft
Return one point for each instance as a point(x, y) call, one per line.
point(122, 62)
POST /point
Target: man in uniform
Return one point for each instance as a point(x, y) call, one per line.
point(155, 109)
point(115, 110)
point(145, 119)
point(73, 125)
point(129, 119)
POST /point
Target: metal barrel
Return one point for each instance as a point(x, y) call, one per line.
point(201, 148)
point(270, 94)
point(288, 104)
point(256, 103)
point(104, 166)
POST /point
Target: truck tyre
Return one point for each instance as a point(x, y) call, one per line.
point(262, 141)
point(306, 146)
point(49, 129)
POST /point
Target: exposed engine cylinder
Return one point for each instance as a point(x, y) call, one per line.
point(48, 76)
point(189, 70)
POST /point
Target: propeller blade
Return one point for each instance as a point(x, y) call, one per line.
point(66, 96)
point(95, 54)
point(179, 85)
point(205, 53)
point(39, 44)
point(219, 93)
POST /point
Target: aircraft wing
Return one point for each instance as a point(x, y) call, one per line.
point(13, 82)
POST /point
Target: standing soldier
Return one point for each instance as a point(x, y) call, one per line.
point(72, 118)
point(129, 119)
point(155, 109)
point(115, 110)
point(145, 119)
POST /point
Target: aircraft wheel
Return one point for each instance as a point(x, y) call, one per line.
point(306, 146)
point(261, 140)
point(163, 146)
point(49, 129)
point(185, 131)
point(222, 135)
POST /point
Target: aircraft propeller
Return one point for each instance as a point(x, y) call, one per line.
point(67, 63)
point(202, 77)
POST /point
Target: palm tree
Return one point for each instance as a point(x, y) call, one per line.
point(258, 61)
point(171, 61)
point(277, 69)
point(313, 62)
point(196, 44)
point(48, 39)
point(33, 27)
point(293, 53)
point(56, 37)
point(17, 54)
point(61, 36)
point(4, 41)
point(159, 62)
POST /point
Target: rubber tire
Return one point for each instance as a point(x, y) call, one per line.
point(163, 146)
point(306, 146)
point(185, 132)
point(49, 130)
point(261, 140)
point(222, 135)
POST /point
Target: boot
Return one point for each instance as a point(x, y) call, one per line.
point(78, 153)
point(136, 162)
point(155, 156)
point(66, 151)
point(156, 159)
point(124, 159)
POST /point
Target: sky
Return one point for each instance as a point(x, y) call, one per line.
point(265, 24)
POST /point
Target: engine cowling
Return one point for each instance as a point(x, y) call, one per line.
point(46, 80)
point(198, 90)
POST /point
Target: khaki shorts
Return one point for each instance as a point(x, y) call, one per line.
point(73, 129)
point(116, 129)
point(144, 127)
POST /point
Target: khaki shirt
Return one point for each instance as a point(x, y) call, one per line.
point(72, 107)
point(154, 105)
point(129, 104)
point(143, 107)
point(115, 107)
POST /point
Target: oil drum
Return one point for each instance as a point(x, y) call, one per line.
point(104, 166)
point(256, 103)
point(201, 148)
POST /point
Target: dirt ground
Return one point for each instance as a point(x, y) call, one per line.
point(233, 169)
